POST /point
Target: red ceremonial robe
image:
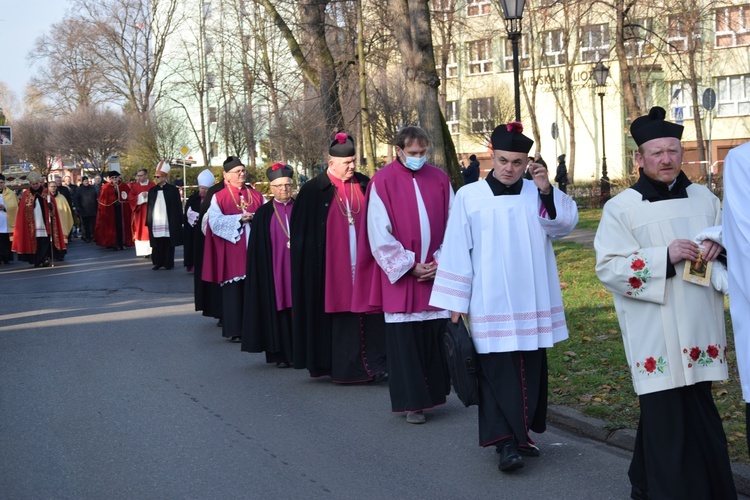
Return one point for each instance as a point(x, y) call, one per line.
point(138, 220)
point(105, 231)
point(24, 235)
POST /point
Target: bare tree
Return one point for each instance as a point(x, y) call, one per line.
point(412, 30)
point(129, 39)
point(91, 135)
point(390, 105)
point(32, 141)
point(318, 65)
point(150, 141)
point(71, 77)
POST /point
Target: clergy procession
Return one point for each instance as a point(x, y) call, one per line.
point(356, 280)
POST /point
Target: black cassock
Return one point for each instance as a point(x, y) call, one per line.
point(348, 346)
point(193, 203)
point(265, 329)
point(207, 295)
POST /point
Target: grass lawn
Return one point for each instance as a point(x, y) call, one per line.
point(589, 371)
point(588, 218)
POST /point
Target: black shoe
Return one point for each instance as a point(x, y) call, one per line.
point(236, 339)
point(529, 450)
point(380, 377)
point(168, 267)
point(46, 263)
point(510, 460)
point(219, 323)
point(156, 268)
point(282, 364)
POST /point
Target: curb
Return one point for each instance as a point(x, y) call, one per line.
point(574, 421)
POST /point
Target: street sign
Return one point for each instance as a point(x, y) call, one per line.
point(555, 131)
point(184, 150)
point(709, 99)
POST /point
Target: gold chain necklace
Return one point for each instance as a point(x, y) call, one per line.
point(348, 212)
point(283, 226)
point(242, 205)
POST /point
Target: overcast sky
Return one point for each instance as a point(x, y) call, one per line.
point(22, 22)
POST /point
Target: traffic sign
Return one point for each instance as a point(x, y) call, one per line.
point(709, 99)
point(555, 131)
point(184, 150)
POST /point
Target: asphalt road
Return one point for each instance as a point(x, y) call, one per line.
point(111, 386)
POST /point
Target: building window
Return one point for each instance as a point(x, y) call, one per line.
point(442, 9)
point(208, 45)
point(681, 107)
point(214, 149)
point(452, 116)
point(451, 67)
point(638, 38)
point(554, 48)
point(524, 59)
point(482, 114)
point(678, 31)
point(733, 96)
point(478, 7)
point(212, 114)
point(732, 26)
point(480, 57)
point(594, 42)
point(210, 80)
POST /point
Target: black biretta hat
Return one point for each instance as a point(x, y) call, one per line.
point(654, 126)
point(508, 137)
point(279, 170)
point(342, 146)
point(231, 162)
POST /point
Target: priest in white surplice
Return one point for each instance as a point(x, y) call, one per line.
point(498, 265)
point(673, 329)
point(737, 241)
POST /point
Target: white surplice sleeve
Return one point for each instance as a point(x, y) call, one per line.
point(436, 255)
point(453, 281)
point(566, 218)
point(227, 227)
point(389, 253)
point(623, 267)
point(736, 229)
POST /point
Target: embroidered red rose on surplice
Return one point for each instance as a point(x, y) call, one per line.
point(635, 282)
point(695, 353)
point(650, 365)
point(637, 264)
point(712, 351)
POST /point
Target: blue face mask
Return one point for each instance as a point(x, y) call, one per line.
point(415, 163)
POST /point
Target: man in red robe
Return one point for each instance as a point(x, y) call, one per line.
point(113, 218)
point(37, 220)
point(138, 199)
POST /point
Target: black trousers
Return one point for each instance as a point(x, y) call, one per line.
point(418, 377)
point(5, 254)
point(87, 225)
point(162, 253)
point(680, 446)
point(358, 347)
point(512, 396)
point(232, 302)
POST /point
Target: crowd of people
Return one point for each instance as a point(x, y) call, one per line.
point(355, 279)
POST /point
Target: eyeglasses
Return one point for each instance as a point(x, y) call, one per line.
point(282, 186)
point(239, 172)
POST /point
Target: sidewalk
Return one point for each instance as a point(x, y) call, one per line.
point(593, 428)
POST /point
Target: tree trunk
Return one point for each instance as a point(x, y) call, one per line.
point(414, 40)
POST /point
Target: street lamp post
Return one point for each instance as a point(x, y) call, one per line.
point(513, 12)
point(601, 72)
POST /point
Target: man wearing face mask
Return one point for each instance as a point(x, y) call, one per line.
point(407, 206)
